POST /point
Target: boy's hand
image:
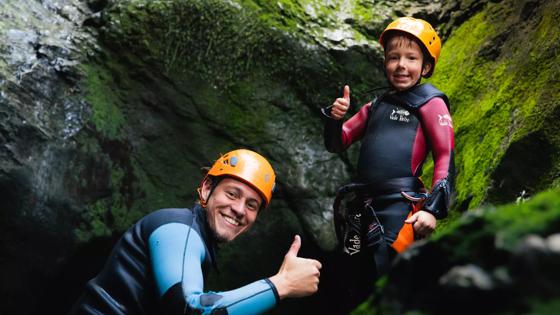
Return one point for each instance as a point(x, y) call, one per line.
point(341, 104)
point(423, 223)
point(297, 276)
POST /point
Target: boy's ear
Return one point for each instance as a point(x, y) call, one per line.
point(426, 68)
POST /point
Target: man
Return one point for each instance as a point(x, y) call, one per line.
point(158, 266)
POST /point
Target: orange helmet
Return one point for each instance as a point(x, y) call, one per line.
point(421, 30)
point(249, 167)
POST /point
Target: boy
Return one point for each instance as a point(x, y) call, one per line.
point(397, 131)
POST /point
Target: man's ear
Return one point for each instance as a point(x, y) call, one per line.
point(206, 189)
point(426, 68)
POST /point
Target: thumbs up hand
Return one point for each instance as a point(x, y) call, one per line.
point(297, 277)
point(341, 104)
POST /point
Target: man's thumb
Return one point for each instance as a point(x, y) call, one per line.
point(346, 92)
point(294, 249)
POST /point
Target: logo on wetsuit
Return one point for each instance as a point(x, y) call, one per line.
point(400, 115)
point(445, 120)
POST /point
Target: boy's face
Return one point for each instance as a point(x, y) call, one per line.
point(231, 209)
point(404, 62)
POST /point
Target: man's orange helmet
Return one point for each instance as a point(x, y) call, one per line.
point(421, 30)
point(249, 167)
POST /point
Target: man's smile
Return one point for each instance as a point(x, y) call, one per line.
point(230, 220)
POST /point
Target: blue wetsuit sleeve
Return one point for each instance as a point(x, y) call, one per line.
point(177, 253)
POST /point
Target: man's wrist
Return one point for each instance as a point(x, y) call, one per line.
point(274, 289)
point(279, 289)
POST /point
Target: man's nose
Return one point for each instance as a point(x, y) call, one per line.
point(238, 207)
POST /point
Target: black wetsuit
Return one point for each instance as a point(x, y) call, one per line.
point(158, 267)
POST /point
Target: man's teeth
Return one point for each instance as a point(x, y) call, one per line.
point(231, 220)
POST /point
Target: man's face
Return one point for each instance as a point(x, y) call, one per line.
point(231, 209)
point(404, 62)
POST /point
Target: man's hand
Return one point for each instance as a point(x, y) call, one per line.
point(341, 104)
point(297, 277)
point(423, 223)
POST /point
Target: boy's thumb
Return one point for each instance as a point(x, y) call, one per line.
point(346, 92)
point(412, 218)
point(294, 249)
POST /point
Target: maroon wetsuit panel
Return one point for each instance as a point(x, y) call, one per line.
point(396, 141)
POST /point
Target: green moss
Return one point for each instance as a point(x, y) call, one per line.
point(214, 39)
point(540, 215)
point(284, 15)
point(545, 307)
point(162, 178)
point(457, 58)
point(495, 89)
point(509, 223)
point(95, 222)
point(108, 215)
point(104, 101)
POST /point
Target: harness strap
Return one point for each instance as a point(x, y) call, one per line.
point(392, 185)
point(375, 237)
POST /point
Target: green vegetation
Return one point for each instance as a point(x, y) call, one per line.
point(214, 39)
point(96, 226)
point(104, 101)
point(545, 308)
point(539, 215)
point(501, 88)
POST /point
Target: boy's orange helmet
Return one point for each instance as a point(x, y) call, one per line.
point(421, 30)
point(249, 167)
